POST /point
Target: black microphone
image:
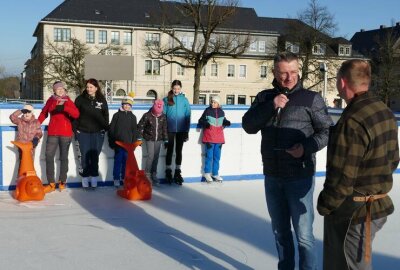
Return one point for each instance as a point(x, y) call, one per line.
point(284, 91)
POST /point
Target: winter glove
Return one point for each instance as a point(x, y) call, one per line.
point(35, 141)
point(185, 136)
point(227, 123)
point(59, 108)
point(165, 144)
point(24, 111)
point(207, 125)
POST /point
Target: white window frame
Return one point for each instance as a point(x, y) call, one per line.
point(344, 50)
point(127, 37)
point(90, 36)
point(115, 37)
point(230, 71)
point(152, 67)
point(180, 71)
point(214, 70)
point(253, 46)
point(262, 69)
point(261, 46)
point(152, 39)
point(242, 71)
point(102, 37)
point(318, 49)
point(204, 71)
point(292, 47)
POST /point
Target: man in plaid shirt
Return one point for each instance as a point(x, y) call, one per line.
point(361, 157)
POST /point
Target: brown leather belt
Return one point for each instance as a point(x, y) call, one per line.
point(368, 199)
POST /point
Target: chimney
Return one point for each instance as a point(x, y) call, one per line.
point(362, 30)
point(382, 26)
point(398, 24)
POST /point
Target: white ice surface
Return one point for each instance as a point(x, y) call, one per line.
point(196, 226)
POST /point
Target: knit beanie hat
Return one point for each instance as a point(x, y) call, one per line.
point(128, 99)
point(57, 85)
point(216, 99)
point(157, 107)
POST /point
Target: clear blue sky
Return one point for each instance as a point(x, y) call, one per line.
point(19, 18)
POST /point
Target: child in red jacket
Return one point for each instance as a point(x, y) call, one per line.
point(59, 134)
point(213, 122)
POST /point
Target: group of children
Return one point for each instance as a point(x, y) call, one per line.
point(167, 124)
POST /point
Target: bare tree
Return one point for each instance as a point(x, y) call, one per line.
point(203, 20)
point(65, 61)
point(312, 34)
point(385, 61)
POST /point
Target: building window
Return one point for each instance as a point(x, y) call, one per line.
point(152, 67)
point(242, 71)
point(214, 70)
point(344, 50)
point(263, 72)
point(89, 36)
point(253, 46)
point(292, 47)
point(242, 100)
point(152, 39)
point(62, 34)
point(318, 49)
point(202, 99)
point(115, 37)
point(120, 92)
point(180, 71)
point(261, 46)
point(230, 99)
point(127, 38)
point(102, 37)
point(231, 71)
point(152, 93)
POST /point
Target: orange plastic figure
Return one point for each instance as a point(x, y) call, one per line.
point(29, 186)
point(136, 184)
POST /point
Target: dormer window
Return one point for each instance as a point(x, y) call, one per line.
point(344, 50)
point(318, 49)
point(292, 47)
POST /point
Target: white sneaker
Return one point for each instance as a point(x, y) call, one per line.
point(85, 182)
point(208, 178)
point(93, 181)
point(217, 178)
point(117, 183)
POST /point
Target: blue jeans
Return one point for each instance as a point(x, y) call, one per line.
point(120, 157)
point(213, 155)
point(290, 202)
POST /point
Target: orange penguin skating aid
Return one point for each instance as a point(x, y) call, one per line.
point(29, 186)
point(136, 184)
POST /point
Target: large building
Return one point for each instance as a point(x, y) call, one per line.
point(131, 25)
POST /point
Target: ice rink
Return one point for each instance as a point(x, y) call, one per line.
point(196, 226)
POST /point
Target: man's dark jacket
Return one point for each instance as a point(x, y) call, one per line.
point(304, 120)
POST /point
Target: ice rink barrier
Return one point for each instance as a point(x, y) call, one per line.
point(240, 159)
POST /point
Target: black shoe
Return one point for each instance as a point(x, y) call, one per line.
point(168, 176)
point(178, 177)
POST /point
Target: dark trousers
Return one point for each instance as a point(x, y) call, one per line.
point(52, 143)
point(173, 138)
point(90, 145)
point(120, 157)
point(344, 243)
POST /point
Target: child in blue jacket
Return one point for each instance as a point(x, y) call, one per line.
point(177, 111)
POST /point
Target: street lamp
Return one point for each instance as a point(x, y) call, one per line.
point(324, 68)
